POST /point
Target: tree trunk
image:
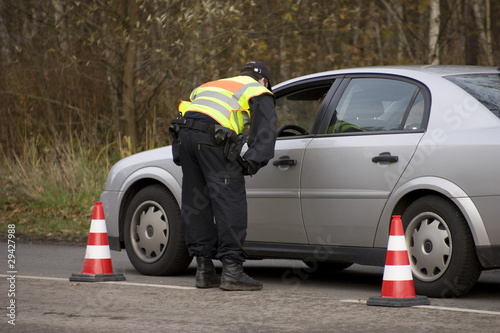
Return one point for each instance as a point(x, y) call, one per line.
point(397, 11)
point(484, 32)
point(4, 39)
point(128, 77)
point(60, 25)
point(434, 23)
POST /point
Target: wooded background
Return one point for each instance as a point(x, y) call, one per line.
point(112, 72)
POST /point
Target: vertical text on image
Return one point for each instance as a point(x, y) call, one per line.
point(11, 271)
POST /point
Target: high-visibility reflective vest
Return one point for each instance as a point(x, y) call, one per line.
point(226, 101)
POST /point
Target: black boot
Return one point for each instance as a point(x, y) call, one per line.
point(233, 277)
point(206, 277)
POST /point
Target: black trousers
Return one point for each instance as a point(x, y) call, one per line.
point(214, 206)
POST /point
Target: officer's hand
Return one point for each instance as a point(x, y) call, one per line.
point(247, 168)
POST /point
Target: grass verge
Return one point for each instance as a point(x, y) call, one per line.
point(49, 191)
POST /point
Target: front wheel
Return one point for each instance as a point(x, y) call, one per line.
point(154, 240)
point(441, 248)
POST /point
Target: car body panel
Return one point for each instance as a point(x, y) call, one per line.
point(152, 166)
point(273, 197)
point(334, 196)
point(436, 185)
point(339, 177)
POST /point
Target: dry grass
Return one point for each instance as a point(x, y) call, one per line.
point(49, 191)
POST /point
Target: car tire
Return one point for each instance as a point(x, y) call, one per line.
point(441, 248)
point(154, 240)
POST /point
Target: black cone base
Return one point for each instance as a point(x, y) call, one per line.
point(398, 302)
point(96, 277)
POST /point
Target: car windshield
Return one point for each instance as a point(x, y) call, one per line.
point(483, 87)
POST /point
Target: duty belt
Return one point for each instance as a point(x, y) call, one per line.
point(232, 142)
point(193, 124)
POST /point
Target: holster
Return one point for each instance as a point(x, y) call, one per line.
point(174, 132)
point(234, 144)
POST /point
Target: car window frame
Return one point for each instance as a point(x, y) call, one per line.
point(333, 80)
point(332, 104)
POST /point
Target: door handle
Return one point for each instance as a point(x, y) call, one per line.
point(385, 158)
point(285, 161)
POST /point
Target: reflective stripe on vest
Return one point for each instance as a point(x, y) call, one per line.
point(226, 101)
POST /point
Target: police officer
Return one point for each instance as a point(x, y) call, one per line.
point(220, 116)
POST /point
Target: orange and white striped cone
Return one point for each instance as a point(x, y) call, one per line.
point(97, 266)
point(397, 285)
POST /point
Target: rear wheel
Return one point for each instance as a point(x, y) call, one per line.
point(441, 248)
point(153, 234)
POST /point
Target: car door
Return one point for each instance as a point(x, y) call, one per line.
point(273, 194)
point(364, 145)
point(274, 213)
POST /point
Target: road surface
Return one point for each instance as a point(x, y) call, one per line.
point(294, 299)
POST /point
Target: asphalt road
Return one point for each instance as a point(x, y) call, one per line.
point(293, 300)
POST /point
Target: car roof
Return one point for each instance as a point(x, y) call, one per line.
point(403, 70)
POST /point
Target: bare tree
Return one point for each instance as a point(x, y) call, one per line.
point(483, 25)
point(105, 69)
point(396, 10)
point(4, 39)
point(129, 74)
point(434, 28)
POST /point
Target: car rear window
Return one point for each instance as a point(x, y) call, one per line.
point(483, 87)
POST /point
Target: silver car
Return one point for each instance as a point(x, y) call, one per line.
point(355, 147)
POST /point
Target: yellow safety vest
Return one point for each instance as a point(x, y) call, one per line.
point(226, 101)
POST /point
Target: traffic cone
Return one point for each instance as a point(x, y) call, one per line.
point(97, 266)
point(397, 285)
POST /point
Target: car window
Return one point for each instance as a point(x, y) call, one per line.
point(300, 107)
point(378, 104)
point(483, 87)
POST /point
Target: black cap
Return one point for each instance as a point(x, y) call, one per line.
point(257, 67)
